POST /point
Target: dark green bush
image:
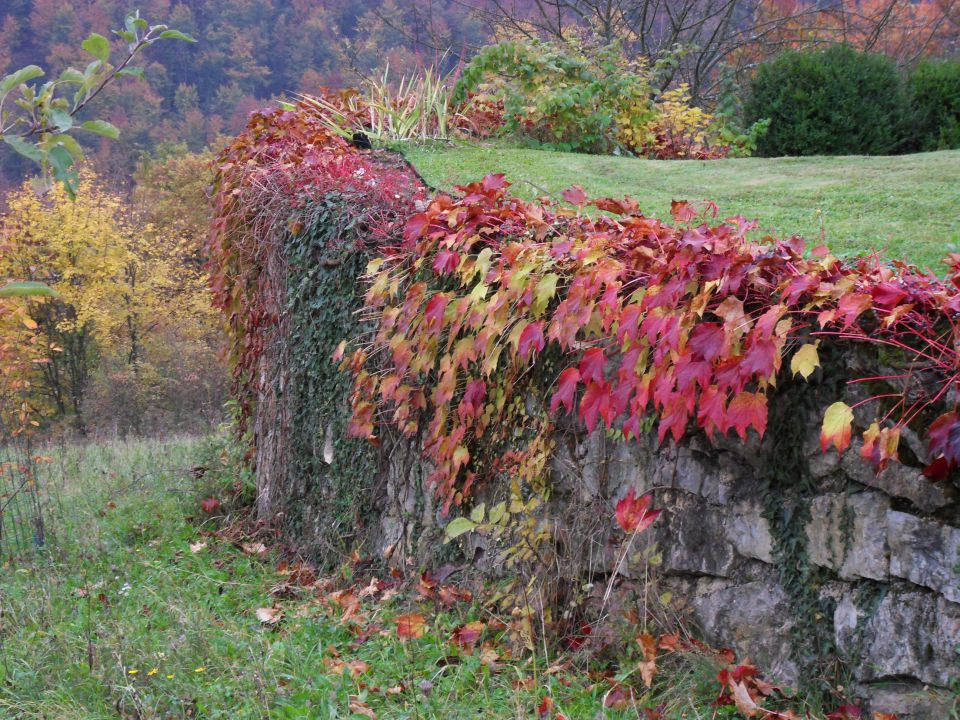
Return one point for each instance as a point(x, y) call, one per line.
point(833, 102)
point(933, 93)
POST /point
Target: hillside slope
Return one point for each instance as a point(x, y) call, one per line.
point(908, 205)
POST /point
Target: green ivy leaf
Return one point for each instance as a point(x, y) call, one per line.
point(476, 515)
point(98, 46)
point(72, 76)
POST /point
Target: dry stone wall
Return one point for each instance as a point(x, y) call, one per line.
point(881, 555)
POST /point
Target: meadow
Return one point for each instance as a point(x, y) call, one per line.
point(905, 205)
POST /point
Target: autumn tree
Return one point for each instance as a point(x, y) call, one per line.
point(705, 38)
point(128, 283)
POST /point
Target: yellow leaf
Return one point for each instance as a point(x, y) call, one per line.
point(837, 422)
point(805, 361)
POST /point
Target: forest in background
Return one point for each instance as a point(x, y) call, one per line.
point(251, 51)
point(254, 51)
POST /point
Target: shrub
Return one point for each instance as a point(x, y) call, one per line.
point(564, 96)
point(588, 99)
point(933, 94)
point(833, 102)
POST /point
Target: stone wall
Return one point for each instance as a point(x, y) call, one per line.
point(875, 605)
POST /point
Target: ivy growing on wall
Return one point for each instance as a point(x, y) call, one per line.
point(329, 473)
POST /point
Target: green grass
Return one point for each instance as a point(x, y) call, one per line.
point(118, 617)
point(907, 205)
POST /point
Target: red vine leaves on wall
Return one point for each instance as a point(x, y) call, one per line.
point(689, 322)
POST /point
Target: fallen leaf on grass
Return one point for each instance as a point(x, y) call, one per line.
point(356, 668)
point(449, 595)
point(648, 667)
point(257, 548)
point(269, 616)
point(545, 707)
point(359, 707)
point(489, 657)
point(285, 590)
point(197, 547)
point(373, 588)
point(411, 625)
point(466, 636)
point(619, 697)
point(349, 602)
point(210, 505)
point(742, 699)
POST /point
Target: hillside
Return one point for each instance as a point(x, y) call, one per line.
point(908, 204)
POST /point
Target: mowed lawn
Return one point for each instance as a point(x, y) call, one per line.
point(908, 205)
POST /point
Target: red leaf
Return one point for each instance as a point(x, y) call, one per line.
point(596, 403)
point(414, 228)
point(748, 409)
point(880, 446)
point(944, 437)
point(836, 429)
point(851, 306)
point(887, 295)
point(592, 365)
point(473, 397)
point(466, 636)
point(494, 181)
point(435, 310)
point(938, 470)
point(761, 360)
point(531, 338)
point(712, 414)
point(682, 211)
point(634, 513)
point(210, 505)
point(446, 262)
point(575, 196)
point(708, 340)
point(566, 389)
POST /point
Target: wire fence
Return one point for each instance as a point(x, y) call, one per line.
point(25, 479)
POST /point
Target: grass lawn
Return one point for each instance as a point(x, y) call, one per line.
point(135, 610)
point(908, 205)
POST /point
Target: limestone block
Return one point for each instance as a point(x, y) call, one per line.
point(754, 619)
point(848, 534)
point(749, 531)
point(911, 634)
point(925, 552)
point(897, 480)
point(692, 540)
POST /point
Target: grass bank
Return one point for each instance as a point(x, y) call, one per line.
point(908, 205)
point(136, 608)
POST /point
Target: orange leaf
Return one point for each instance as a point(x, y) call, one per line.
point(412, 625)
point(648, 668)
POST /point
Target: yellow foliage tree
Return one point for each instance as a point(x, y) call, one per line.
point(121, 278)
